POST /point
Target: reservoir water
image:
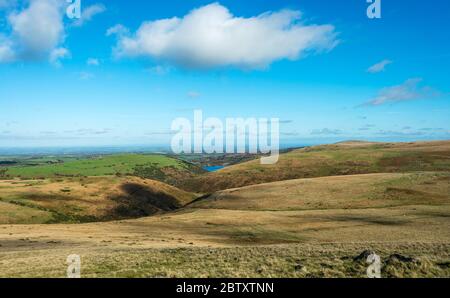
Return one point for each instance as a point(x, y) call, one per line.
point(213, 168)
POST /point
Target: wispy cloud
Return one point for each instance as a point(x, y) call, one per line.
point(367, 127)
point(379, 67)
point(160, 133)
point(88, 14)
point(407, 91)
point(88, 131)
point(194, 94)
point(93, 62)
point(394, 133)
point(409, 131)
point(290, 134)
point(327, 131)
point(57, 54)
point(158, 70)
point(118, 29)
point(86, 75)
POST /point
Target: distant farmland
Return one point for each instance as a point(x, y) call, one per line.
point(96, 166)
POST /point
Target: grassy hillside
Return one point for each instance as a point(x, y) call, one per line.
point(318, 228)
point(340, 192)
point(330, 160)
point(152, 166)
point(86, 199)
point(309, 227)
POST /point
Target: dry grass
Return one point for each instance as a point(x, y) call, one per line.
point(297, 228)
point(86, 199)
point(339, 192)
point(212, 243)
point(293, 260)
point(198, 242)
point(347, 158)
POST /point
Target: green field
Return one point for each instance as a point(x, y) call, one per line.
point(96, 166)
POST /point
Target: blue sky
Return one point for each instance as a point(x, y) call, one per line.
point(331, 74)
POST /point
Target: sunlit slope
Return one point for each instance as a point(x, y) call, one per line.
point(300, 228)
point(330, 160)
point(152, 166)
point(336, 192)
point(86, 199)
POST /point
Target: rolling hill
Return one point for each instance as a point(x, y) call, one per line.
point(81, 199)
point(336, 192)
point(153, 166)
point(311, 215)
point(348, 158)
point(301, 228)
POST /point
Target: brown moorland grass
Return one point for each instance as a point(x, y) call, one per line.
point(347, 158)
point(86, 199)
point(314, 227)
point(232, 243)
point(336, 192)
point(215, 238)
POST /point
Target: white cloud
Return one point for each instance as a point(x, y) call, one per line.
point(36, 33)
point(93, 62)
point(38, 29)
point(211, 36)
point(57, 54)
point(118, 29)
point(88, 13)
point(379, 67)
point(409, 90)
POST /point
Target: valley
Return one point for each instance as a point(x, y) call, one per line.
point(311, 215)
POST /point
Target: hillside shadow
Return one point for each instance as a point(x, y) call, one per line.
point(139, 201)
point(377, 220)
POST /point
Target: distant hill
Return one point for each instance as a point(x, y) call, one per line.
point(153, 166)
point(346, 158)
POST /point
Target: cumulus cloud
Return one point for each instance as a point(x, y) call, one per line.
point(38, 29)
point(36, 33)
point(211, 37)
point(88, 13)
point(407, 91)
point(379, 67)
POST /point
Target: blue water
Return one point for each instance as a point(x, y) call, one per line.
point(213, 168)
